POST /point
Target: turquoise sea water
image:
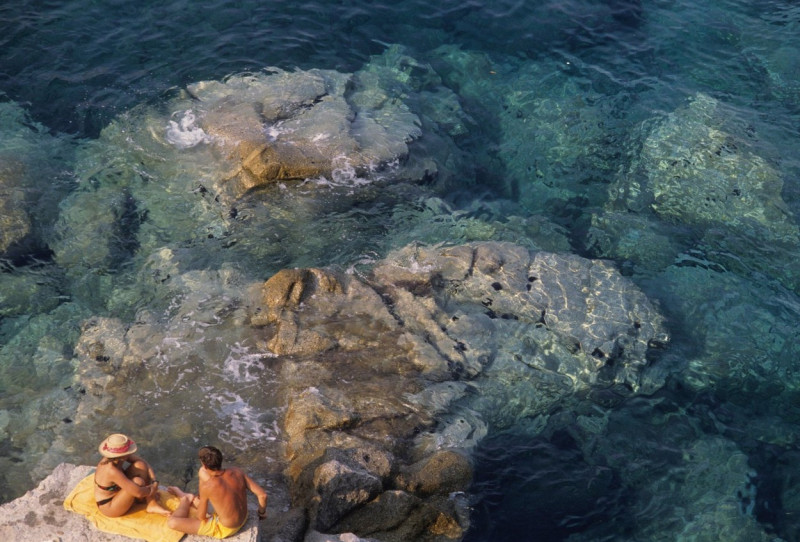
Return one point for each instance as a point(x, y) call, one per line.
point(580, 114)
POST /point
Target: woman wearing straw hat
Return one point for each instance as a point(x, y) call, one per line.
point(118, 486)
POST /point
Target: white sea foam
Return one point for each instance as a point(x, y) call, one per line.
point(274, 131)
point(416, 268)
point(343, 174)
point(364, 260)
point(183, 133)
point(245, 424)
point(244, 366)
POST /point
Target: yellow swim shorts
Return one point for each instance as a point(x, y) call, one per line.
point(213, 528)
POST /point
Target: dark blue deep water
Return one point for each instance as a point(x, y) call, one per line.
point(713, 451)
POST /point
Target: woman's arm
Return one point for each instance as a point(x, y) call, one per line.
point(129, 486)
point(133, 458)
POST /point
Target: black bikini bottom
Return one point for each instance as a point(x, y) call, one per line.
point(104, 501)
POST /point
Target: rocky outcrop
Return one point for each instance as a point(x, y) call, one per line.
point(369, 388)
point(301, 125)
point(391, 381)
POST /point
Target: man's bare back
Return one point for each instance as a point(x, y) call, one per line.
point(226, 491)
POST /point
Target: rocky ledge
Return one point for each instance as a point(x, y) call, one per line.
point(40, 514)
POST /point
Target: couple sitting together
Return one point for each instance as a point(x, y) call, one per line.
point(122, 478)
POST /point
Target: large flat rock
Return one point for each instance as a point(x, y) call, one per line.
point(39, 515)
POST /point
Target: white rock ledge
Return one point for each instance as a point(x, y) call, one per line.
point(40, 515)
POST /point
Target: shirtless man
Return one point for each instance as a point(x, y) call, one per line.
point(225, 489)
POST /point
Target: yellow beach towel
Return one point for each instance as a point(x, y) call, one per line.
point(137, 523)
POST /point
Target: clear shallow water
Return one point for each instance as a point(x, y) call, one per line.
point(608, 71)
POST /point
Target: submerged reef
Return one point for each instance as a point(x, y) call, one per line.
point(32, 182)
point(213, 163)
point(704, 213)
point(551, 142)
point(698, 169)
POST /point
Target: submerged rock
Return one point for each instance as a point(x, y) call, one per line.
point(14, 221)
point(32, 180)
point(700, 487)
point(693, 171)
point(641, 241)
point(224, 161)
point(545, 140)
point(746, 332)
point(37, 400)
point(778, 61)
point(697, 168)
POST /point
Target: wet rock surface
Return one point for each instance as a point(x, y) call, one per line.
point(301, 125)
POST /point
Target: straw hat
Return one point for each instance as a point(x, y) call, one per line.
point(117, 445)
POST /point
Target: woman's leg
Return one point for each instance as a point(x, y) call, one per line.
point(119, 504)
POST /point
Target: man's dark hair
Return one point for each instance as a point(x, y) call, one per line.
point(210, 457)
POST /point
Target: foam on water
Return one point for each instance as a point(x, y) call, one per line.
point(242, 365)
point(244, 425)
point(184, 133)
point(274, 131)
point(343, 175)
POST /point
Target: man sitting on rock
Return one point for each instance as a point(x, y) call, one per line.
point(225, 489)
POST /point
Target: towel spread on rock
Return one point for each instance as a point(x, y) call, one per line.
point(137, 523)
